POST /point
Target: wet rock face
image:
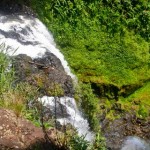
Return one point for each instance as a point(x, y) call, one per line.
point(59, 111)
point(116, 131)
point(16, 7)
point(46, 73)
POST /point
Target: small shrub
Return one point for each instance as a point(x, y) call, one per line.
point(78, 143)
point(99, 143)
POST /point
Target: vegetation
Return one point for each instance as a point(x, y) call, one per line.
point(13, 96)
point(102, 40)
point(89, 103)
point(107, 46)
point(106, 43)
point(22, 99)
point(139, 101)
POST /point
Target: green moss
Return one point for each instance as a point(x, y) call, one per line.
point(55, 90)
point(100, 45)
point(105, 43)
point(139, 101)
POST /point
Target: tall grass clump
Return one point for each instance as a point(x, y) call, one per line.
point(13, 96)
point(9, 98)
point(6, 73)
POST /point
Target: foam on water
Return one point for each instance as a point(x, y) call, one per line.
point(75, 118)
point(28, 35)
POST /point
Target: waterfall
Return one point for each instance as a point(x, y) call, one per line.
point(71, 114)
point(27, 35)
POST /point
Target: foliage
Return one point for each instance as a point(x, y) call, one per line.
point(139, 101)
point(6, 75)
point(83, 30)
point(78, 143)
point(75, 142)
point(12, 96)
point(99, 142)
point(89, 104)
point(122, 62)
point(106, 43)
point(55, 90)
point(112, 16)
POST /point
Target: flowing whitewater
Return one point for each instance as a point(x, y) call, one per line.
point(67, 105)
point(27, 35)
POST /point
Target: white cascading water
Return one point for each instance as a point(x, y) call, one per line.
point(74, 118)
point(28, 35)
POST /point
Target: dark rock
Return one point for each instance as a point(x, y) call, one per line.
point(22, 66)
point(46, 73)
point(129, 125)
point(112, 92)
point(50, 60)
point(126, 90)
point(16, 7)
point(106, 90)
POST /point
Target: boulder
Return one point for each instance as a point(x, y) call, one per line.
point(19, 133)
point(46, 73)
point(129, 125)
point(16, 7)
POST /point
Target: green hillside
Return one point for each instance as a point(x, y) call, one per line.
point(107, 45)
point(105, 42)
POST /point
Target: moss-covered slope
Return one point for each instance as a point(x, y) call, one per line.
point(106, 44)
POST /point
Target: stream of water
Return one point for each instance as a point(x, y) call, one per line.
point(28, 35)
point(67, 107)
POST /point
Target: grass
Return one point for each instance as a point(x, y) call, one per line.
point(13, 96)
point(16, 97)
point(103, 43)
point(139, 101)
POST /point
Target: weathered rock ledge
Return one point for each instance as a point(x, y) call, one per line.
point(46, 73)
point(19, 133)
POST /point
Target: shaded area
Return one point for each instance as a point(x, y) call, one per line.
point(16, 7)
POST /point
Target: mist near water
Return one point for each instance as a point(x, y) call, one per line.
point(135, 143)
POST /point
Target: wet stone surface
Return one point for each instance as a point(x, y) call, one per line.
point(46, 73)
point(129, 125)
